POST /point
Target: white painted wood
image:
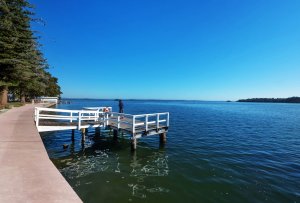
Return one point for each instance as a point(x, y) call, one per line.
point(168, 117)
point(99, 109)
point(146, 122)
point(49, 99)
point(133, 125)
point(118, 120)
point(104, 118)
point(37, 116)
point(79, 121)
point(55, 128)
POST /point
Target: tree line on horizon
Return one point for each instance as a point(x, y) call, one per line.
point(24, 71)
point(273, 100)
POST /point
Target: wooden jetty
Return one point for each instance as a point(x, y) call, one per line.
point(48, 119)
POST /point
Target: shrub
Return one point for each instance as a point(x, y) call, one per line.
point(8, 106)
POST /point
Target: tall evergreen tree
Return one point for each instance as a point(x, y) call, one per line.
point(22, 64)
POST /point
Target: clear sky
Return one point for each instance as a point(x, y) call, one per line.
point(172, 49)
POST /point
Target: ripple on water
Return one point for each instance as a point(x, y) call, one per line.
point(215, 152)
point(81, 166)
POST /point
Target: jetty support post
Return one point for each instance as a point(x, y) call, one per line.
point(83, 135)
point(163, 138)
point(73, 135)
point(133, 138)
point(115, 134)
point(133, 143)
point(97, 131)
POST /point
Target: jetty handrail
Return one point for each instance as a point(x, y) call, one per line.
point(151, 114)
point(119, 114)
point(100, 108)
point(137, 120)
point(83, 117)
point(77, 115)
point(145, 121)
point(55, 110)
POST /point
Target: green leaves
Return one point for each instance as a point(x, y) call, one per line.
point(22, 64)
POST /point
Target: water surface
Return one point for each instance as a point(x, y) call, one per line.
point(215, 152)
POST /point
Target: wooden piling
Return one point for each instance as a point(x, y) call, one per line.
point(97, 131)
point(115, 133)
point(83, 135)
point(163, 137)
point(133, 144)
point(73, 135)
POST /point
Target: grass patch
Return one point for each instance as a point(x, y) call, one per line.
point(16, 104)
point(11, 105)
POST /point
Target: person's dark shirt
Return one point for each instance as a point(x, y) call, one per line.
point(121, 105)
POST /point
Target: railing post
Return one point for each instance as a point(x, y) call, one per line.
point(133, 139)
point(157, 121)
point(168, 116)
point(133, 125)
point(106, 117)
point(79, 120)
point(71, 115)
point(118, 120)
point(35, 113)
point(96, 116)
point(146, 123)
point(37, 117)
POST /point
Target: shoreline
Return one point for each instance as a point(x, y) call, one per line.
point(27, 173)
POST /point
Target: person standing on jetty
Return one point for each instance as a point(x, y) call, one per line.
point(121, 106)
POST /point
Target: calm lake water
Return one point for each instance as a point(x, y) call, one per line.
point(215, 152)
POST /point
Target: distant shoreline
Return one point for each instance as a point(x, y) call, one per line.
point(261, 100)
point(67, 98)
point(272, 100)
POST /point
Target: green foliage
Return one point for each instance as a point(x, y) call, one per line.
point(273, 100)
point(8, 106)
point(15, 104)
point(22, 64)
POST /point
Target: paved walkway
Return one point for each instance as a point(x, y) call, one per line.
point(26, 172)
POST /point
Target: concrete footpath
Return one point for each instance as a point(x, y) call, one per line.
point(26, 172)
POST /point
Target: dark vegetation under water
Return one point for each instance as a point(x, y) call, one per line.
point(273, 100)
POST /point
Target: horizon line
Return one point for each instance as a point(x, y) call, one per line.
point(144, 99)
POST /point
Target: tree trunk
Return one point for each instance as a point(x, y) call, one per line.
point(3, 95)
point(22, 96)
point(23, 100)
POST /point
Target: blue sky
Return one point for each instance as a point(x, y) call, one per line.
point(172, 49)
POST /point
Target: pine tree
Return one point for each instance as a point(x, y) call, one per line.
point(22, 64)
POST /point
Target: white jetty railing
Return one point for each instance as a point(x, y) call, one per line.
point(100, 109)
point(67, 116)
point(137, 123)
point(97, 117)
